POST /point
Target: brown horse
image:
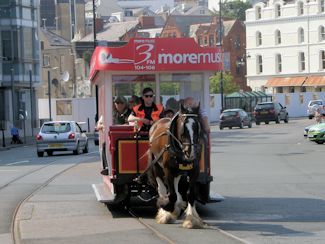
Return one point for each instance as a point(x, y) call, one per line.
point(174, 154)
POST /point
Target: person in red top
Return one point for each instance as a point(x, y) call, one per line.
point(147, 112)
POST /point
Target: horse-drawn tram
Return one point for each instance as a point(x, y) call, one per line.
point(173, 158)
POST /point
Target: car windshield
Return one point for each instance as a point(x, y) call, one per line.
point(315, 103)
point(229, 113)
point(56, 128)
point(265, 106)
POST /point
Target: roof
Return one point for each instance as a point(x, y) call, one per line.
point(54, 39)
point(152, 33)
point(315, 81)
point(183, 22)
point(286, 81)
point(112, 31)
point(247, 94)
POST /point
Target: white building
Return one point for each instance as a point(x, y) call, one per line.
point(286, 46)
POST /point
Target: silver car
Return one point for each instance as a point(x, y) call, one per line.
point(61, 136)
point(312, 107)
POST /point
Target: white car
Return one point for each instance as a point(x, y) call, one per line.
point(312, 107)
point(61, 136)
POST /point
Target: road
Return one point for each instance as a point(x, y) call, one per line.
point(271, 176)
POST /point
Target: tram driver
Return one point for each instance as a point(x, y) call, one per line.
point(147, 112)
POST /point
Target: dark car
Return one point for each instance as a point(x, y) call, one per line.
point(235, 118)
point(270, 111)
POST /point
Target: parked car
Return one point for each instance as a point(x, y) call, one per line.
point(61, 136)
point(270, 111)
point(235, 118)
point(316, 133)
point(312, 107)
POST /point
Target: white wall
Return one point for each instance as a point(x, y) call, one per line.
point(288, 24)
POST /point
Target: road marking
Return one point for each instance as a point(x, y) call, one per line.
point(7, 170)
point(19, 162)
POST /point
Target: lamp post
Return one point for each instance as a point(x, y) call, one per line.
point(220, 44)
point(49, 92)
point(12, 95)
point(31, 100)
point(95, 44)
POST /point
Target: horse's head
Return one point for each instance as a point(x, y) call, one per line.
point(189, 131)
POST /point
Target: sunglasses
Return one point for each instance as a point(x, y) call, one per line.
point(148, 95)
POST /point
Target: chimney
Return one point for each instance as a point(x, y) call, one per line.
point(147, 22)
point(99, 24)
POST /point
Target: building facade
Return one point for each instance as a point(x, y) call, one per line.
point(19, 63)
point(286, 46)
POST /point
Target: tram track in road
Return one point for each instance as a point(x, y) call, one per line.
point(14, 224)
point(170, 240)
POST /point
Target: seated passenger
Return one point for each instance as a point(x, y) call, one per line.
point(146, 113)
point(133, 100)
point(121, 111)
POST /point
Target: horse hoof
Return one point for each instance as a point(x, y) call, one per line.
point(164, 217)
point(193, 223)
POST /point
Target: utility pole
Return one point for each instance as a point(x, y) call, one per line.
point(49, 93)
point(220, 44)
point(95, 44)
point(31, 101)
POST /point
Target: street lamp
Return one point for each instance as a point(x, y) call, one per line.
point(31, 99)
point(49, 93)
point(95, 44)
point(220, 44)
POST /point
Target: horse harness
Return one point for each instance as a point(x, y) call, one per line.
point(175, 146)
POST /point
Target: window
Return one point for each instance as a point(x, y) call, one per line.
point(321, 35)
point(278, 63)
point(277, 37)
point(322, 59)
point(302, 61)
point(300, 8)
point(258, 12)
point(321, 6)
point(301, 35)
point(46, 60)
point(277, 10)
point(258, 38)
point(259, 64)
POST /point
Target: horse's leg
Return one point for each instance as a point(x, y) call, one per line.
point(163, 216)
point(180, 204)
point(192, 219)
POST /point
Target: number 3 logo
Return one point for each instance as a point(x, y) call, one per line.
point(146, 52)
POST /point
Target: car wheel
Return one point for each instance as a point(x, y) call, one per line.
point(85, 150)
point(319, 142)
point(49, 153)
point(76, 152)
point(277, 120)
point(40, 154)
point(230, 127)
point(286, 119)
point(257, 123)
point(310, 117)
point(241, 126)
point(250, 124)
point(96, 141)
point(221, 128)
point(266, 122)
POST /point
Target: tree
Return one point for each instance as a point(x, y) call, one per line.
point(228, 85)
point(235, 9)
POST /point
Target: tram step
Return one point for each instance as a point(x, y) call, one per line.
point(215, 197)
point(102, 193)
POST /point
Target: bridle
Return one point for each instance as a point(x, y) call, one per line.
point(183, 118)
